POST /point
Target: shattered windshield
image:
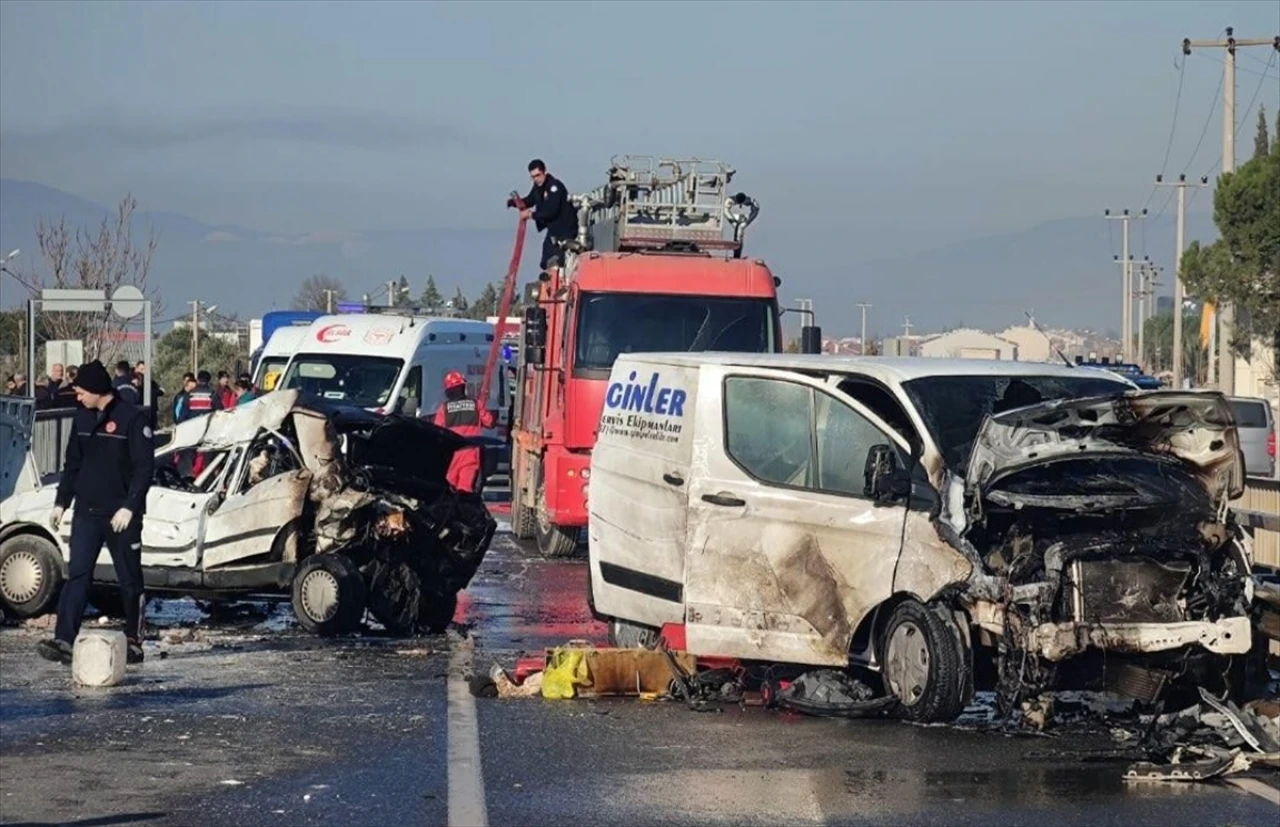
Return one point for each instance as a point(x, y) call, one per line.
point(363, 381)
point(610, 324)
point(953, 407)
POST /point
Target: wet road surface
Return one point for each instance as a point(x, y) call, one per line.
point(254, 723)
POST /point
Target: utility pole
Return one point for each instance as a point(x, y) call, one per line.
point(862, 342)
point(391, 293)
point(1225, 312)
point(328, 301)
point(195, 336)
point(1126, 284)
point(906, 326)
point(1179, 294)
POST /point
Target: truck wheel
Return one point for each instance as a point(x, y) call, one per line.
point(925, 664)
point(328, 594)
point(435, 613)
point(553, 540)
point(30, 575)
point(524, 520)
point(626, 635)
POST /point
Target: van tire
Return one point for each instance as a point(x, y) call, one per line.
point(925, 663)
point(626, 635)
point(553, 540)
point(329, 594)
point(30, 575)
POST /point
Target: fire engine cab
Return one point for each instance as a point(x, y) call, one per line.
point(657, 266)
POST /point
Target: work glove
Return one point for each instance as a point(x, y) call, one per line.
point(55, 517)
point(120, 521)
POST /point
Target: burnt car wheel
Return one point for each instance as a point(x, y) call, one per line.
point(553, 540)
point(925, 664)
point(30, 575)
point(436, 613)
point(328, 594)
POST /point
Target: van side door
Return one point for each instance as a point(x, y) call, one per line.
point(788, 550)
point(638, 495)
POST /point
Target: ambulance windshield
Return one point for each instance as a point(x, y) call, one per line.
point(363, 381)
point(610, 324)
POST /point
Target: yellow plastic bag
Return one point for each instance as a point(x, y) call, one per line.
point(566, 669)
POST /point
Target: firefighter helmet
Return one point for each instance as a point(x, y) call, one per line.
point(453, 379)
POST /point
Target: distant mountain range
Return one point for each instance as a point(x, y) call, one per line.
point(1061, 270)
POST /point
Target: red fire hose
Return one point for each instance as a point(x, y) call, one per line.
point(504, 306)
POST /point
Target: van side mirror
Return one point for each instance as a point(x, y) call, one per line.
point(535, 336)
point(810, 339)
point(884, 479)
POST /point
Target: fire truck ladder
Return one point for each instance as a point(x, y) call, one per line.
point(660, 203)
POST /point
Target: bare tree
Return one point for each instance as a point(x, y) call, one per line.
point(83, 260)
point(319, 292)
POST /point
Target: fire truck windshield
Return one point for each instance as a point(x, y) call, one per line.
point(610, 324)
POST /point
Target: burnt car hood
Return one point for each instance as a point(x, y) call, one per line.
point(1194, 428)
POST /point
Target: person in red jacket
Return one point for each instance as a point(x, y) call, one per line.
point(464, 417)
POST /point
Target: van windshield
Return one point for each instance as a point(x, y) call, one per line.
point(268, 365)
point(363, 381)
point(953, 407)
point(610, 324)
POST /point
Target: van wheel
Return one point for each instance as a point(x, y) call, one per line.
point(554, 540)
point(328, 594)
point(925, 662)
point(626, 635)
point(30, 574)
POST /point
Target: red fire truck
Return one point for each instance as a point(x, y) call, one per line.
point(657, 267)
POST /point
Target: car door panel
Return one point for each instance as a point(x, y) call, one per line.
point(788, 575)
point(244, 526)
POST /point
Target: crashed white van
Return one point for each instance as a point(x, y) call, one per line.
point(931, 519)
point(344, 509)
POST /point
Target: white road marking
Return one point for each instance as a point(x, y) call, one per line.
point(466, 776)
point(1255, 787)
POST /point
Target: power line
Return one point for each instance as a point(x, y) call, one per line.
point(1173, 128)
point(1238, 125)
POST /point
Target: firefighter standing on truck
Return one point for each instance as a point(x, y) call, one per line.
point(110, 461)
point(549, 206)
point(464, 417)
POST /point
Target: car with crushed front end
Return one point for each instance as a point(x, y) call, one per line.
point(943, 523)
point(342, 509)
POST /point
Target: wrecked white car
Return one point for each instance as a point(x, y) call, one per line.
point(942, 522)
point(346, 509)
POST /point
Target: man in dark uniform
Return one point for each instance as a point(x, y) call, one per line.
point(110, 459)
point(464, 417)
point(549, 206)
point(124, 387)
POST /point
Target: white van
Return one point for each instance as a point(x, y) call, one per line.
point(900, 514)
point(391, 363)
point(275, 355)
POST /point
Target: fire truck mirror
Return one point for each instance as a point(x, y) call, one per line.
point(810, 339)
point(535, 335)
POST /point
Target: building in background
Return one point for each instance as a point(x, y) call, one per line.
point(968, 344)
point(1033, 346)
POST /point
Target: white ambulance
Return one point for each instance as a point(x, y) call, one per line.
point(390, 362)
point(275, 356)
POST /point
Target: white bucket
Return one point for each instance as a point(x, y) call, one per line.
point(99, 658)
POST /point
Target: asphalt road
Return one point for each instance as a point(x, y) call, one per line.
point(253, 722)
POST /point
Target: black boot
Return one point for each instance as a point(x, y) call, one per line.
point(58, 651)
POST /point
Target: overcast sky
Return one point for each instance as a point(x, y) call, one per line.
point(892, 124)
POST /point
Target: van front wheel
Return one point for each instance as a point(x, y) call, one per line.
point(925, 663)
point(553, 540)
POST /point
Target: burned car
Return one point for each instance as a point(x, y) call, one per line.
point(344, 509)
point(943, 522)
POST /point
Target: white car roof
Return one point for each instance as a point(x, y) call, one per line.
point(889, 369)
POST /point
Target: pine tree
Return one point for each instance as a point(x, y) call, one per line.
point(1261, 142)
point(487, 304)
point(431, 294)
point(460, 302)
point(402, 291)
